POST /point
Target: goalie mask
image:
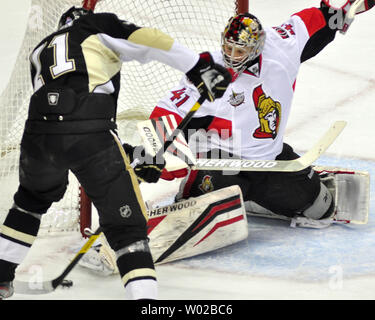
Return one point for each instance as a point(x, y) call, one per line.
point(242, 41)
point(72, 14)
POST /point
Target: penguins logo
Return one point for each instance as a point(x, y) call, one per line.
point(269, 114)
point(206, 185)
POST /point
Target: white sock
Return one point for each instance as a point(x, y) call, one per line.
point(142, 289)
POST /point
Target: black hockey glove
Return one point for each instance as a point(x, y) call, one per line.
point(151, 170)
point(147, 168)
point(211, 79)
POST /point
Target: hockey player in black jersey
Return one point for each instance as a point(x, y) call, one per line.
point(71, 125)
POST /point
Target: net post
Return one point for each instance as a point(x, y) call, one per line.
point(242, 6)
point(85, 208)
point(89, 4)
point(85, 211)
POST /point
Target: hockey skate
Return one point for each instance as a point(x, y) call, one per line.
point(6, 290)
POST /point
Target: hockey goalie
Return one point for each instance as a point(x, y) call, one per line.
point(249, 123)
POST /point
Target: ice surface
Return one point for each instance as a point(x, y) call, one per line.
point(276, 261)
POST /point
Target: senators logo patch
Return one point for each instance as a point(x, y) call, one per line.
point(206, 185)
point(269, 114)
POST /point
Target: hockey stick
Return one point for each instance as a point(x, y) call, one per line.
point(181, 126)
point(155, 131)
point(275, 165)
point(28, 287)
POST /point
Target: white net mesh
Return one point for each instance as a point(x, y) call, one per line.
point(194, 23)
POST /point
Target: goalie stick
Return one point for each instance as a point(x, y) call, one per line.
point(245, 165)
point(181, 126)
point(275, 165)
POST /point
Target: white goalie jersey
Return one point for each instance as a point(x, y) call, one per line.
point(250, 119)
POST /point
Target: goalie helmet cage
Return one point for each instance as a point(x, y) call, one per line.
point(195, 23)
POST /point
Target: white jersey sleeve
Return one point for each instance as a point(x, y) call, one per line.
point(149, 44)
point(289, 39)
point(143, 44)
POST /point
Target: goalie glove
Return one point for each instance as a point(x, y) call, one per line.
point(147, 168)
point(362, 5)
point(211, 79)
point(349, 8)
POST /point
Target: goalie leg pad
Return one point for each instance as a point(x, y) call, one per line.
point(351, 191)
point(197, 225)
point(184, 229)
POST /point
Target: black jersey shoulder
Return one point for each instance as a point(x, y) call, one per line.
point(94, 23)
point(107, 23)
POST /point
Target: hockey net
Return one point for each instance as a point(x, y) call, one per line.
point(195, 23)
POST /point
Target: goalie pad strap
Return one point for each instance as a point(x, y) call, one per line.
point(321, 205)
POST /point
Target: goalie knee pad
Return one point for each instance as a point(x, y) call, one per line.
point(323, 205)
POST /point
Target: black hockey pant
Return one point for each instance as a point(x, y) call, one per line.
point(285, 193)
